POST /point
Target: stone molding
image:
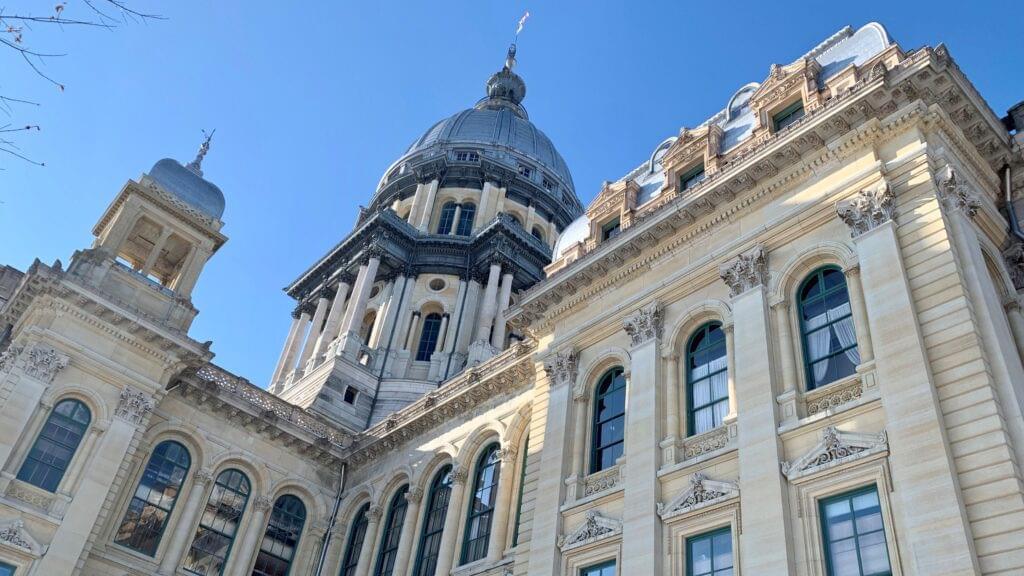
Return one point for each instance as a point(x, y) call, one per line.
point(836, 448)
point(374, 512)
point(596, 527)
point(701, 493)
point(645, 324)
point(833, 396)
point(868, 209)
point(414, 495)
point(459, 475)
point(133, 405)
point(707, 442)
point(746, 271)
point(955, 194)
point(562, 368)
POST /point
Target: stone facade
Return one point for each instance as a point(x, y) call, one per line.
point(886, 191)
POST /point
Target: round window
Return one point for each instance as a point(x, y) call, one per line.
point(374, 291)
point(437, 284)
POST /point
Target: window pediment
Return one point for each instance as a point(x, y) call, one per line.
point(836, 448)
point(596, 527)
point(692, 148)
point(701, 493)
point(14, 534)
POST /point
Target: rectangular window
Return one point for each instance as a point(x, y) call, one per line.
point(525, 171)
point(605, 569)
point(548, 184)
point(788, 115)
point(6, 569)
point(854, 534)
point(710, 554)
point(691, 177)
point(610, 230)
point(466, 156)
point(350, 395)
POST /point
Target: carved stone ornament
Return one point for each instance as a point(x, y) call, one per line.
point(374, 513)
point(955, 194)
point(746, 271)
point(414, 495)
point(204, 476)
point(264, 503)
point(43, 363)
point(13, 533)
point(562, 368)
point(459, 475)
point(701, 493)
point(645, 324)
point(868, 210)
point(835, 449)
point(134, 405)
point(1014, 257)
point(8, 358)
point(595, 527)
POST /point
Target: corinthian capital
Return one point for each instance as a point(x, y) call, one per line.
point(868, 210)
point(955, 194)
point(746, 271)
point(133, 405)
point(562, 368)
point(645, 324)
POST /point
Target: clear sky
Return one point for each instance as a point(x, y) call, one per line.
point(313, 100)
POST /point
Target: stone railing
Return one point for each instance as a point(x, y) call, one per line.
point(602, 481)
point(833, 396)
point(707, 442)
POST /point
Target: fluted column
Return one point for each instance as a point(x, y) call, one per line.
point(314, 331)
point(412, 513)
point(499, 524)
point(288, 349)
point(410, 337)
point(449, 538)
point(860, 315)
point(369, 548)
point(498, 333)
point(243, 554)
point(330, 331)
point(182, 532)
point(486, 317)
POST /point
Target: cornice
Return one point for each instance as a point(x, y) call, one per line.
point(199, 223)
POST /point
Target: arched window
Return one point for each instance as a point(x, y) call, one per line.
point(354, 546)
point(144, 521)
point(466, 219)
point(428, 337)
point(481, 506)
point(433, 523)
point(281, 539)
point(522, 486)
point(56, 444)
point(607, 431)
point(707, 379)
point(447, 219)
point(826, 328)
point(218, 524)
point(537, 233)
point(392, 533)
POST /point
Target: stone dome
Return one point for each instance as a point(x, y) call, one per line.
point(188, 185)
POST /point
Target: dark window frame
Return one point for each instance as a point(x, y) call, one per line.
point(466, 217)
point(475, 548)
point(430, 333)
point(60, 433)
point(522, 485)
point(434, 517)
point(710, 536)
point(691, 177)
point(704, 333)
point(788, 116)
point(446, 219)
point(158, 461)
point(597, 569)
point(614, 379)
point(826, 543)
point(394, 523)
point(611, 229)
point(350, 560)
point(226, 480)
point(276, 513)
point(822, 295)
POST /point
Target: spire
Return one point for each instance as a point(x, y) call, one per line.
point(196, 165)
point(510, 58)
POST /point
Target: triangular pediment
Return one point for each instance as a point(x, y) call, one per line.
point(836, 448)
point(701, 493)
point(596, 527)
point(14, 534)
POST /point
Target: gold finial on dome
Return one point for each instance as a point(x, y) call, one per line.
point(196, 165)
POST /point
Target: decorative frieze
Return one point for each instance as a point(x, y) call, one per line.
point(701, 493)
point(603, 481)
point(1014, 257)
point(596, 527)
point(868, 210)
point(562, 368)
point(833, 396)
point(133, 405)
point(705, 443)
point(645, 324)
point(746, 271)
point(835, 449)
point(955, 194)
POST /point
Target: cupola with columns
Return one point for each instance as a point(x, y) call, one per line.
point(417, 292)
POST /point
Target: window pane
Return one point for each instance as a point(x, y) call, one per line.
point(873, 554)
point(281, 538)
point(154, 498)
point(854, 534)
point(57, 442)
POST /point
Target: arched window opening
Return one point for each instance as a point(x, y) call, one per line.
point(157, 492)
point(281, 539)
point(356, 536)
point(537, 233)
point(466, 216)
point(608, 427)
point(433, 523)
point(447, 219)
point(826, 328)
point(481, 505)
point(218, 524)
point(392, 533)
point(707, 379)
point(428, 337)
point(56, 444)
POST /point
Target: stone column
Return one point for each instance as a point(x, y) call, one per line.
point(453, 329)
point(410, 337)
point(336, 547)
point(294, 345)
point(447, 549)
point(330, 331)
point(26, 373)
point(314, 332)
point(504, 296)
point(158, 247)
point(579, 437)
point(455, 220)
point(442, 333)
point(486, 317)
point(357, 306)
point(672, 406)
point(409, 534)
point(254, 526)
point(766, 548)
point(384, 313)
point(787, 361)
point(370, 542)
point(427, 207)
point(730, 362)
point(485, 211)
point(935, 534)
point(860, 315)
point(183, 532)
point(641, 525)
point(499, 523)
point(1016, 320)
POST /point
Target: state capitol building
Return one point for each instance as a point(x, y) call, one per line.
point(789, 342)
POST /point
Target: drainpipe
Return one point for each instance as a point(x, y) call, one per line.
point(334, 520)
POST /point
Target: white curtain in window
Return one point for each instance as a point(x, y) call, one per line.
point(845, 332)
point(818, 342)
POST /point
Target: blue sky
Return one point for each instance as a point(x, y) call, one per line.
point(312, 103)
